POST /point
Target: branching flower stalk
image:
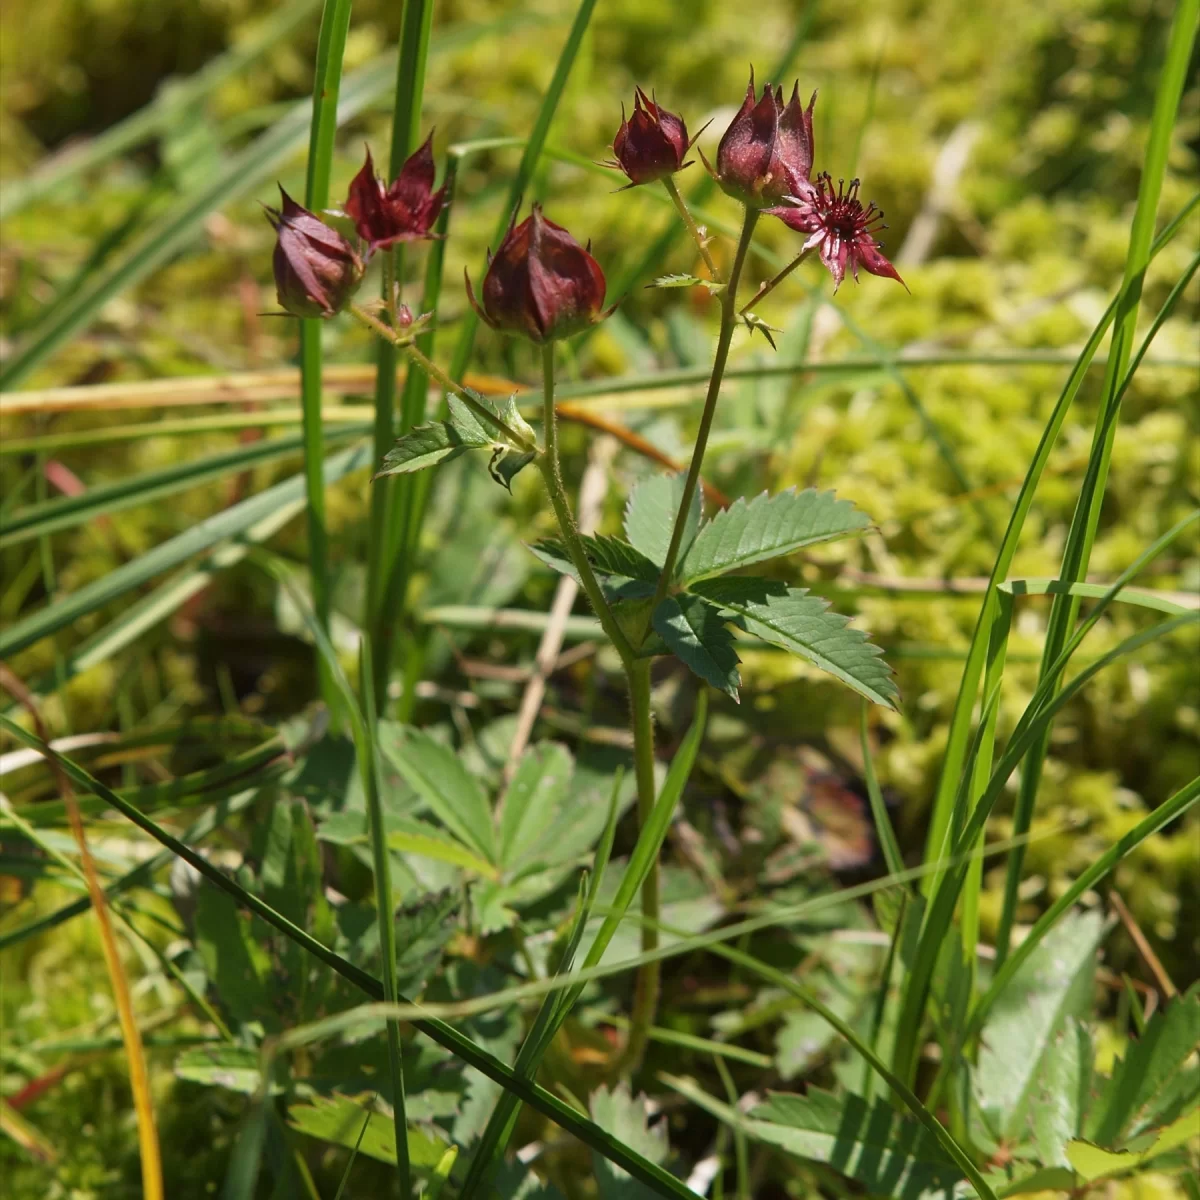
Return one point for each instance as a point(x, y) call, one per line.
point(729, 320)
point(543, 286)
point(686, 217)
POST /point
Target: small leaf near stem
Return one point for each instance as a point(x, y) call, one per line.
point(682, 208)
point(481, 410)
point(771, 284)
point(729, 316)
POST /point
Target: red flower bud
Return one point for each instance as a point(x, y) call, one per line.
point(404, 212)
point(317, 271)
point(652, 143)
point(541, 284)
point(840, 229)
point(767, 151)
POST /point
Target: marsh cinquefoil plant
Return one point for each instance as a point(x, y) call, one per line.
point(674, 584)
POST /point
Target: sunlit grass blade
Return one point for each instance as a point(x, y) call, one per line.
point(553, 1011)
point(1086, 519)
point(68, 511)
point(888, 844)
point(529, 160)
point(445, 1035)
point(139, 1076)
point(363, 724)
point(152, 120)
point(176, 228)
point(204, 536)
point(383, 547)
point(1040, 712)
point(960, 723)
point(368, 756)
point(900, 1090)
point(327, 81)
point(1170, 810)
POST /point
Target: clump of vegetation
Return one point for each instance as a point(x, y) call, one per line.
point(786, 787)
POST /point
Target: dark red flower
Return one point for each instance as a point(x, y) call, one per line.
point(541, 283)
point(316, 269)
point(766, 153)
point(841, 229)
point(404, 212)
point(652, 143)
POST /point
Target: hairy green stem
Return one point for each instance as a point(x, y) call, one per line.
point(482, 411)
point(692, 228)
point(729, 316)
point(772, 283)
point(547, 463)
point(649, 976)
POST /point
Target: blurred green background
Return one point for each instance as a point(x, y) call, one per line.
point(1003, 140)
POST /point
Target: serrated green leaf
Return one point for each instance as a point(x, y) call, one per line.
point(872, 1143)
point(682, 281)
point(450, 791)
point(238, 965)
point(507, 463)
point(1133, 1098)
point(1053, 986)
point(767, 527)
point(1096, 1162)
point(623, 572)
point(532, 801)
point(804, 625)
point(619, 1113)
point(428, 445)
point(423, 929)
point(890, 1154)
point(696, 633)
point(1060, 1093)
point(339, 1119)
point(650, 516)
point(237, 1068)
point(415, 837)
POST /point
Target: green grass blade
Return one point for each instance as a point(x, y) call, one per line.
point(445, 1035)
point(181, 223)
point(406, 513)
point(139, 876)
point(645, 853)
point(960, 721)
point(883, 823)
point(1141, 597)
point(416, 27)
point(150, 121)
point(230, 523)
point(553, 1011)
point(368, 755)
point(529, 160)
point(327, 82)
point(1086, 519)
point(1170, 810)
point(68, 511)
point(1040, 712)
point(902, 1092)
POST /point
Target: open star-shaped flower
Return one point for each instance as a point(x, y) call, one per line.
point(840, 229)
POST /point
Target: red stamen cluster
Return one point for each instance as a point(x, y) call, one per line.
point(840, 229)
